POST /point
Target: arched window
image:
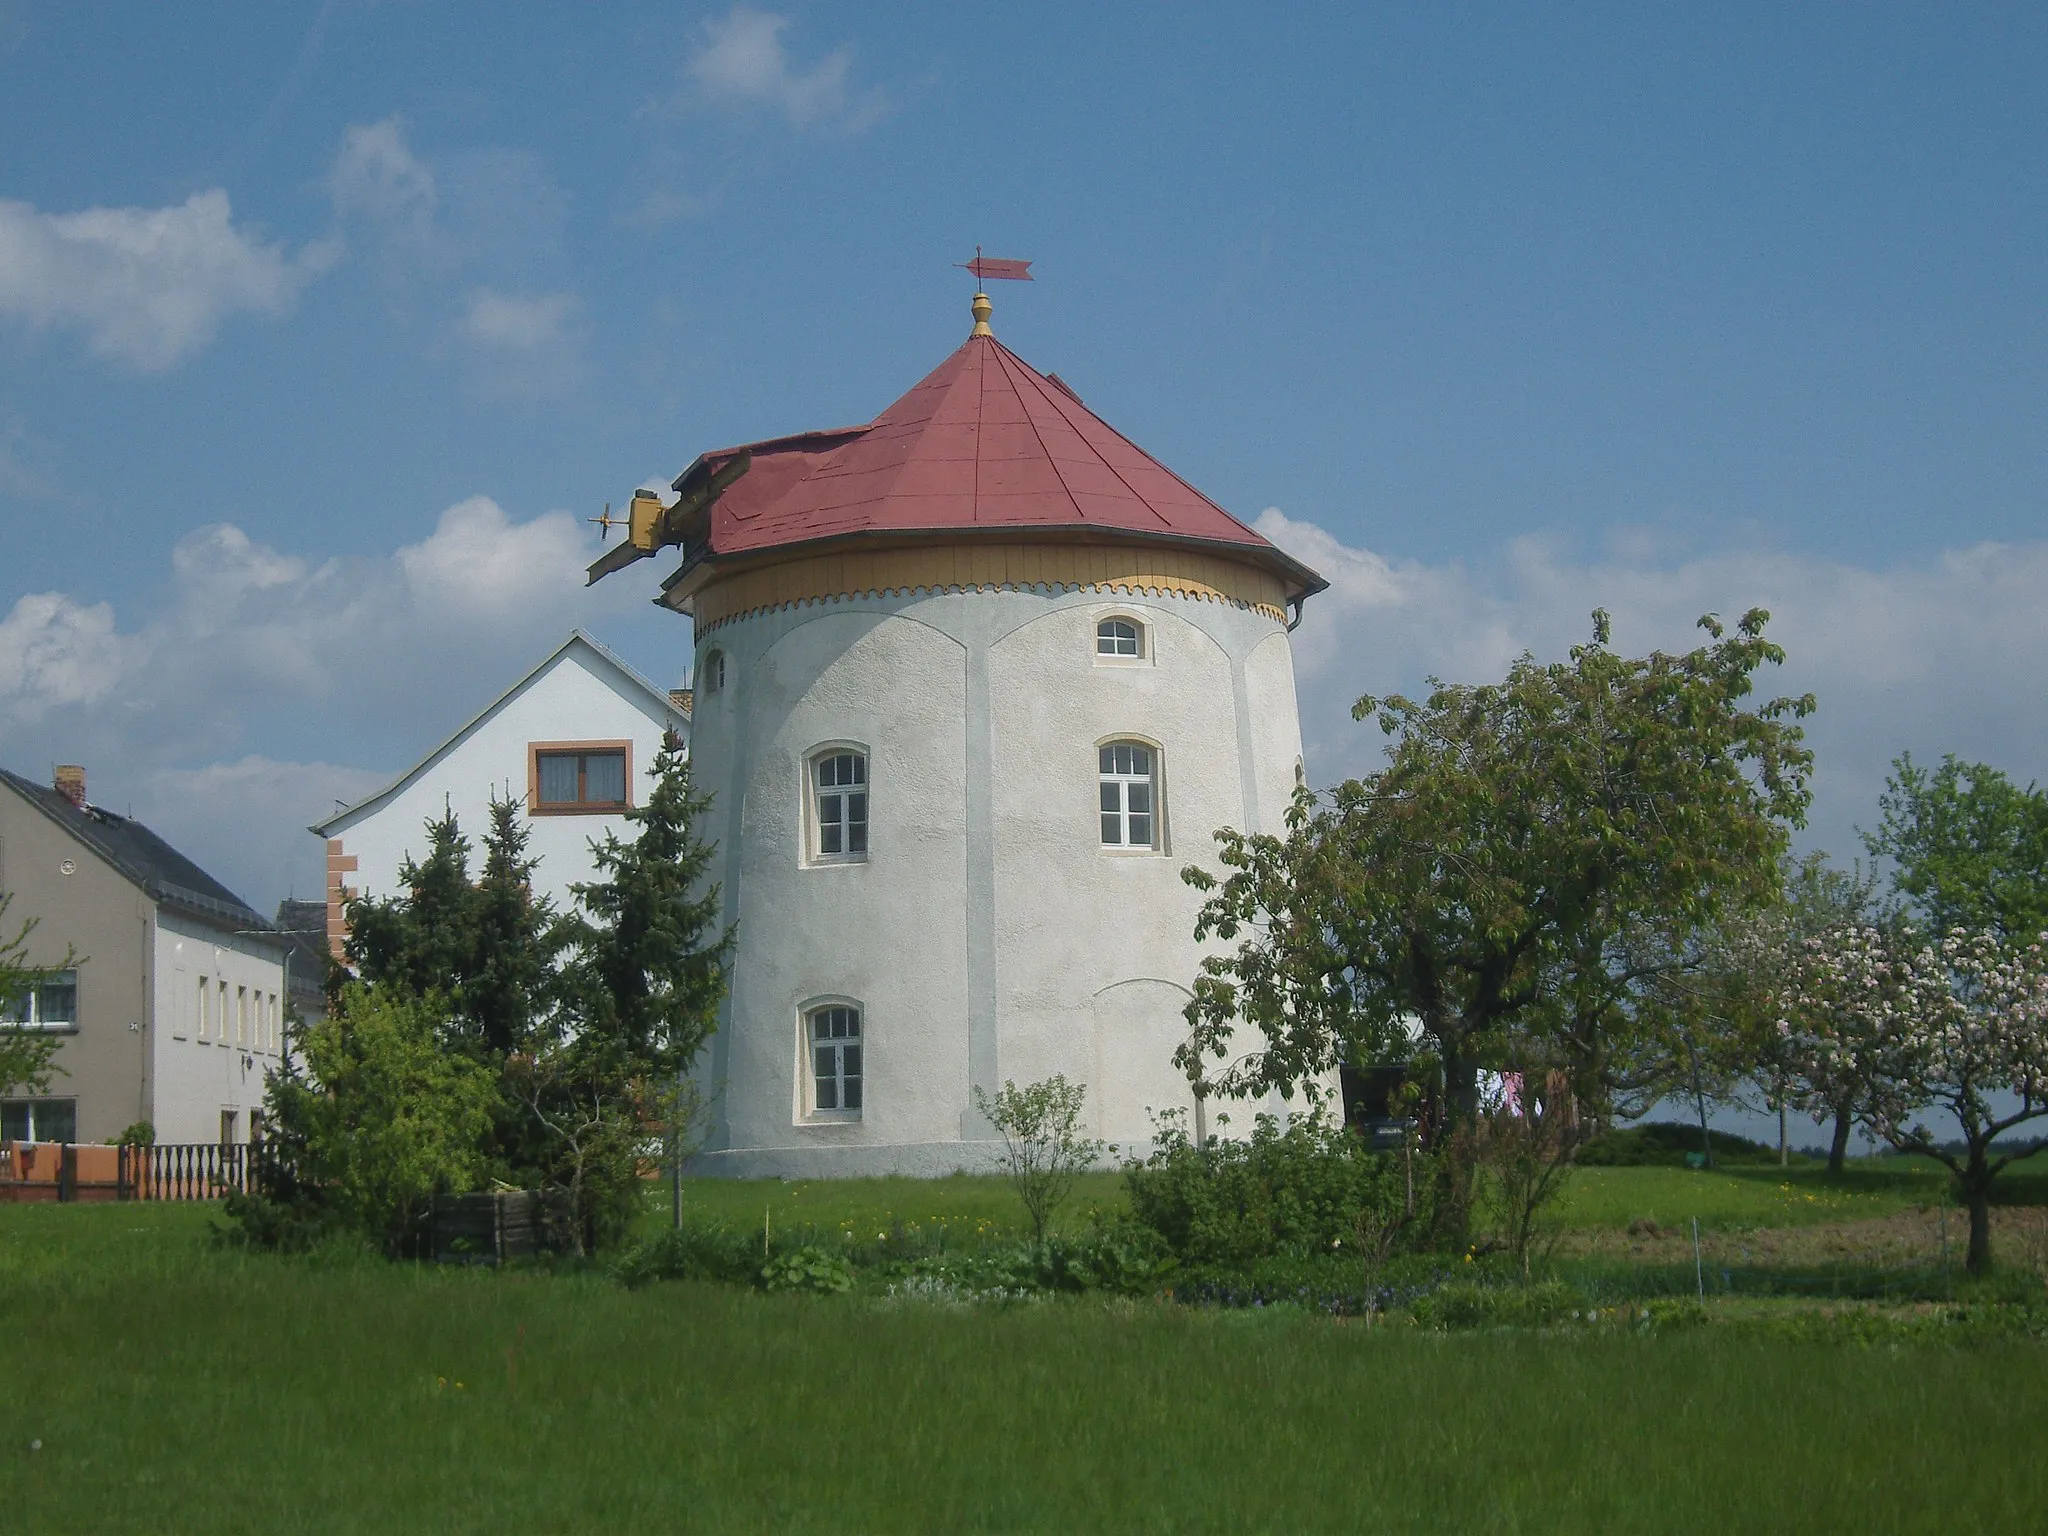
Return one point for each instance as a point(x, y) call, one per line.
point(711, 673)
point(832, 1042)
point(1119, 638)
point(839, 806)
point(1129, 775)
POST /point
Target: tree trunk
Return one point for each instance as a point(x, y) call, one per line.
point(1976, 1182)
point(1784, 1147)
point(1838, 1149)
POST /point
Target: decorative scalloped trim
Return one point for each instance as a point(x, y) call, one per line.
point(1048, 588)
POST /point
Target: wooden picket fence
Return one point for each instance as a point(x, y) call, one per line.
point(71, 1171)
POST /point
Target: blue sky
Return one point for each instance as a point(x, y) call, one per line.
point(321, 326)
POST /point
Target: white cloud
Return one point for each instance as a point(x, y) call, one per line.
point(377, 175)
point(742, 59)
point(479, 563)
point(436, 229)
point(54, 651)
point(518, 324)
point(1944, 654)
point(262, 684)
point(148, 286)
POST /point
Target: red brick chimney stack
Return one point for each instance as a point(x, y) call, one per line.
point(70, 783)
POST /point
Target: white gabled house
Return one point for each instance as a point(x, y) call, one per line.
point(574, 740)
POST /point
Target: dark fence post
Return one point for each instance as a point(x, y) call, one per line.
point(67, 1173)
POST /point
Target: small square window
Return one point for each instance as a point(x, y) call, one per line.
point(1120, 639)
point(579, 777)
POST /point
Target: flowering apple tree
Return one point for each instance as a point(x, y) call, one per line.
point(1899, 1025)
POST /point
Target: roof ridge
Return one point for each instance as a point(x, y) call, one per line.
point(1181, 480)
point(1121, 478)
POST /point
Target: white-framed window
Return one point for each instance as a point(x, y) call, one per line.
point(1119, 637)
point(51, 1003)
point(271, 1018)
point(1128, 772)
point(711, 673)
point(205, 1014)
point(839, 805)
point(220, 1013)
point(241, 1015)
point(833, 1069)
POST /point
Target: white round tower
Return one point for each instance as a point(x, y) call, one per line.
point(973, 684)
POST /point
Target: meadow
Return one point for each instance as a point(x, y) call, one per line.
point(170, 1383)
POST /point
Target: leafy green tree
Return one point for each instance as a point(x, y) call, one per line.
point(1535, 852)
point(1043, 1148)
point(390, 1117)
point(640, 987)
point(27, 1057)
point(1969, 847)
point(1506, 868)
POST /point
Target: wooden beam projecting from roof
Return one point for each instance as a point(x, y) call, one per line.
point(668, 527)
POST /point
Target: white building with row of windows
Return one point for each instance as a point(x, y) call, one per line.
point(974, 682)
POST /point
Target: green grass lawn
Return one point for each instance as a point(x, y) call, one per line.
point(178, 1386)
point(965, 1206)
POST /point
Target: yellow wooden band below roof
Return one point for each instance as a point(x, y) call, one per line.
point(1156, 569)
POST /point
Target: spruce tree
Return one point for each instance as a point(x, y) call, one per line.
point(648, 970)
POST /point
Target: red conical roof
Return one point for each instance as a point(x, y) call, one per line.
point(983, 444)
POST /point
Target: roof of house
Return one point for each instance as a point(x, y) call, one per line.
point(165, 874)
point(984, 442)
point(659, 698)
point(303, 926)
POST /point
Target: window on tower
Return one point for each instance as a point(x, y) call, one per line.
point(1119, 638)
point(839, 806)
point(832, 1048)
point(1128, 775)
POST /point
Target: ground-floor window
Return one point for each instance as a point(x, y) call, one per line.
point(833, 1037)
point(39, 1120)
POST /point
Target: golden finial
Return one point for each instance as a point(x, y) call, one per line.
point(982, 310)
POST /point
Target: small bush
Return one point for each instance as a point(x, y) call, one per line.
point(1299, 1191)
point(807, 1269)
point(299, 1223)
point(693, 1251)
point(1462, 1305)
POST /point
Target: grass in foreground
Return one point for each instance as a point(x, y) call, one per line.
point(176, 1386)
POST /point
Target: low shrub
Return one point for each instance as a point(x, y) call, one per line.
point(696, 1250)
point(1465, 1305)
point(807, 1269)
point(1299, 1191)
point(296, 1221)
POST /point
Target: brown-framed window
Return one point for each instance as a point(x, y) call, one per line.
point(571, 778)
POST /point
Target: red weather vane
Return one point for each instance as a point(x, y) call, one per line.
point(985, 267)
